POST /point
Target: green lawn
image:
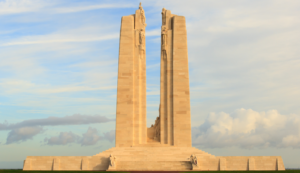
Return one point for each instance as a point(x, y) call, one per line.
point(287, 171)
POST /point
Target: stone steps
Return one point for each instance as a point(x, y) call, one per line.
point(154, 165)
point(151, 153)
point(154, 158)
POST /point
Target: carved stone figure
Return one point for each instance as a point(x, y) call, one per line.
point(194, 160)
point(112, 160)
point(142, 36)
point(141, 43)
point(164, 32)
point(164, 15)
point(143, 18)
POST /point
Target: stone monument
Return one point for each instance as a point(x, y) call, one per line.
point(174, 85)
point(167, 144)
point(131, 127)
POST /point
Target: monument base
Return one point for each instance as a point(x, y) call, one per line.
point(154, 159)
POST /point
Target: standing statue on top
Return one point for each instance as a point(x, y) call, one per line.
point(164, 35)
point(143, 18)
point(164, 15)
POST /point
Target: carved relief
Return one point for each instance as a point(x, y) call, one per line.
point(164, 32)
point(142, 12)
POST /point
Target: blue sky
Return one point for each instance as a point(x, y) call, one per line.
point(58, 75)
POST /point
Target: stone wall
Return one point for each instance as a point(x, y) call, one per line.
point(174, 82)
point(154, 158)
point(131, 93)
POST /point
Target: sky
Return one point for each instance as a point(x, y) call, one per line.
point(58, 75)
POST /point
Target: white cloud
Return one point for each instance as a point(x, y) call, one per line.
point(248, 129)
point(14, 86)
point(66, 89)
point(154, 32)
point(153, 66)
point(45, 39)
point(29, 128)
point(90, 137)
point(22, 134)
point(62, 139)
point(5, 32)
point(74, 89)
point(25, 6)
point(22, 6)
point(110, 136)
point(75, 119)
point(92, 7)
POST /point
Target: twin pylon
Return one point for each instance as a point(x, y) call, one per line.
point(173, 125)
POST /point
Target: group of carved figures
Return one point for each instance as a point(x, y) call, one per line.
point(142, 12)
point(141, 43)
point(164, 32)
point(193, 159)
point(141, 34)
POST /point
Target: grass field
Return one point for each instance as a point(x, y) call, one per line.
point(20, 170)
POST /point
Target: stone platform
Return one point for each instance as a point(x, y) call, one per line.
point(154, 159)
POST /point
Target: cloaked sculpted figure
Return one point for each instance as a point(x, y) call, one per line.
point(142, 32)
point(164, 42)
point(143, 18)
point(142, 36)
point(141, 43)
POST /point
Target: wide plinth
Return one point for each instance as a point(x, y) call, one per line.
point(149, 158)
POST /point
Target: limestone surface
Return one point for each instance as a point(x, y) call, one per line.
point(153, 158)
point(131, 127)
